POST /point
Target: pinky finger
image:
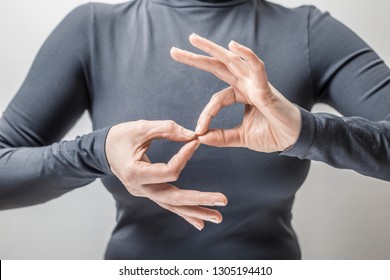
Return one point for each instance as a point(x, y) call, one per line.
point(196, 222)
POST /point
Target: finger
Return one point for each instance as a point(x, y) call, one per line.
point(169, 194)
point(154, 173)
point(256, 65)
point(166, 129)
point(146, 158)
point(202, 213)
point(197, 223)
point(222, 138)
point(205, 63)
point(223, 98)
point(232, 61)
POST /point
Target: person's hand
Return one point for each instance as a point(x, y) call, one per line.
point(271, 123)
point(126, 145)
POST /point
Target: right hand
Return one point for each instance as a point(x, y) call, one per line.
point(126, 145)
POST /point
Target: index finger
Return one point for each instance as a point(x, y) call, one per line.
point(167, 129)
point(221, 99)
point(155, 173)
point(232, 61)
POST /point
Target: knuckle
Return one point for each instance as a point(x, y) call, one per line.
point(193, 56)
point(174, 199)
point(201, 198)
point(171, 125)
point(261, 64)
point(258, 65)
point(234, 59)
point(224, 137)
point(174, 176)
point(141, 124)
point(216, 98)
point(219, 69)
point(210, 50)
point(250, 53)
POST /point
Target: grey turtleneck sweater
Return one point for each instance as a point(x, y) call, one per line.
point(113, 60)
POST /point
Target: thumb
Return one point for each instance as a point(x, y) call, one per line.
point(166, 129)
point(222, 138)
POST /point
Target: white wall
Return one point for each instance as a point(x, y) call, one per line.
point(338, 214)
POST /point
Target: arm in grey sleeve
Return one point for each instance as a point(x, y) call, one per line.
point(348, 75)
point(34, 166)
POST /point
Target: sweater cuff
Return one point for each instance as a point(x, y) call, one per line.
point(100, 150)
point(306, 137)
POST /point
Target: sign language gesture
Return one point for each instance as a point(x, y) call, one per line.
point(126, 145)
point(271, 123)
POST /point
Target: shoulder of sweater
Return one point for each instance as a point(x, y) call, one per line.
point(288, 12)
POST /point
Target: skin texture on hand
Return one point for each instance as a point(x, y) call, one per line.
point(271, 123)
point(126, 147)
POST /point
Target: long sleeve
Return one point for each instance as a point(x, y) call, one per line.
point(348, 75)
point(34, 166)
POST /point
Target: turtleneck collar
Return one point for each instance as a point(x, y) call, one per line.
point(200, 3)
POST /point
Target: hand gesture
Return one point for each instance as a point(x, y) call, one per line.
point(270, 123)
point(126, 147)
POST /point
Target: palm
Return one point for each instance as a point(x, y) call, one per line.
point(256, 130)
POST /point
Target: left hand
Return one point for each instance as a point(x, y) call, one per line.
point(271, 123)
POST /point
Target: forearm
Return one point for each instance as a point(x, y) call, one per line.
point(350, 143)
point(35, 175)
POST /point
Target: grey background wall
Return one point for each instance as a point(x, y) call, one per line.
point(338, 214)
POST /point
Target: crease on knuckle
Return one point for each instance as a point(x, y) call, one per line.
point(174, 199)
point(210, 50)
point(218, 70)
point(171, 126)
point(174, 173)
point(201, 198)
point(224, 137)
point(192, 58)
point(234, 59)
point(142, 124)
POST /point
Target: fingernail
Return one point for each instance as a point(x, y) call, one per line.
point(214, 220)
point(195, 35)
point(219, 203)
point(176, 49)
point(197, 129)
point(173, 51)
point(198, 227)
point(234, 42)
point(188, 133)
